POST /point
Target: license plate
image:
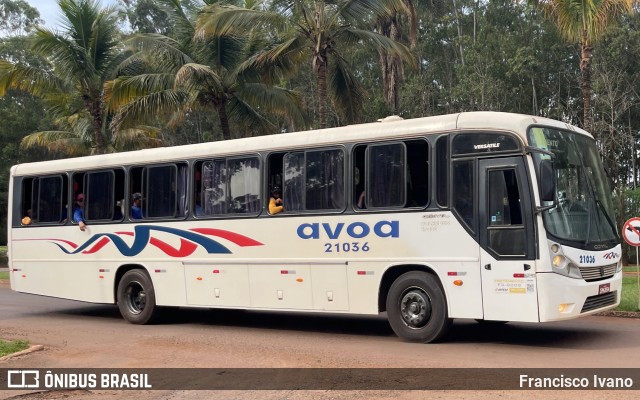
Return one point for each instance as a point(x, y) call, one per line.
point(604, 288)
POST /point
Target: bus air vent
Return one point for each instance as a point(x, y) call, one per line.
point(591, 274)
point(599, 301)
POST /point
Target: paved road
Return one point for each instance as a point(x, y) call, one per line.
point(79, 335)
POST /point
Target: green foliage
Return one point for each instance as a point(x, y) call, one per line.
point(315, 33)
point(8, 347)
point(629, 297)
point(185, 76)
point(17, 18)
point(3, 258)
point(146, 16)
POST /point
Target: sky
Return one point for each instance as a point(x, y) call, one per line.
point(50, 12)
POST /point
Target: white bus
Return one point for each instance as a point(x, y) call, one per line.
point(482, 215)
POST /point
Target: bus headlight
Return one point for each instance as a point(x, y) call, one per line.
point(563, 267)
point(559, 261)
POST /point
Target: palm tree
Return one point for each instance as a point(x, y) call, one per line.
point(82, 56)
point(180, 74)
point(313, 30)
point(585, 22)
point(391, 64)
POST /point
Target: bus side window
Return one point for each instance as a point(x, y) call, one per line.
point(442, 171)
point(386, 175)
point(244, 185)
point(293, 190)
point(417, 173)
point(359, 174)
point(135, 186)
point(159, 196)
point(213, 189)
point(324, 180)
point(26, 207)
point(50, 197)
point(506, 230)
point(99, 195)
point(463, 189)
point(275, 172)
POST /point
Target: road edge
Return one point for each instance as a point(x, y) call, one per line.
point(31, 349)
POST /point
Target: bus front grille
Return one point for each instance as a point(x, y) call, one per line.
point(590, 274)
point(599, 301)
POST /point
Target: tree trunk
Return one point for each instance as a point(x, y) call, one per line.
point(391, 65)
point(95, 110)
point(585, 69)
point(221, 107)
point(459, 27)
point(320, 69)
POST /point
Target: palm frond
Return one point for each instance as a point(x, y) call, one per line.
point(218, 20)
point(32, 80)
point(63, 142)
point(244, 114)
point(126, 89)
point(278, 101)
point(344, 90)
point(138, 137)
point(195, 76)
point(167, 52)
point(142, 108)
point(354, 10)
point(353, 36)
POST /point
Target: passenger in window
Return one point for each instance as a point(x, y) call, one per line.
point(360, 202)
point(275, 202)
point(78, 212)
point(198, 211)
point(136, 207)
point(27, 218)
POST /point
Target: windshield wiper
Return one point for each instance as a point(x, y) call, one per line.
point(606, 214)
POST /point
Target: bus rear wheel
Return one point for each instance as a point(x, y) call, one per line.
point(136, 297)
point(417, 308)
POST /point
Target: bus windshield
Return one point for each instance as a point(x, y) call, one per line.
point(584, 210)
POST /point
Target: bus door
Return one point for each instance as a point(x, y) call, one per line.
point(509, 290)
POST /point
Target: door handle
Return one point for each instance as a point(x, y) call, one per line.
point(527, 267)
point(488, 267)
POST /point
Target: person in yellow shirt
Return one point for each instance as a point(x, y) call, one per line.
point(275, 202)
point(27, 219)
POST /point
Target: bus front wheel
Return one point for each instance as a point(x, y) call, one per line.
point(416, 308)
point(136, 297)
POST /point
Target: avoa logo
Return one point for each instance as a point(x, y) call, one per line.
point(356, 230)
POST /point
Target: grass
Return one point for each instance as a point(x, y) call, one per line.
point(3, 256)
point(7, 347)
point(629, 300)
point(4, 276)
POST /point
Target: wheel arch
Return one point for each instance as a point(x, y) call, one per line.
point(123, 269)
point(394, 272)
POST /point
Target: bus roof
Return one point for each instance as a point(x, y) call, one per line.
point(385, 128)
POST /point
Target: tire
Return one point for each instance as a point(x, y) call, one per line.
point(136, 297)
point(417, 308)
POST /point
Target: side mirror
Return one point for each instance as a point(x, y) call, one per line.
point(547, 181)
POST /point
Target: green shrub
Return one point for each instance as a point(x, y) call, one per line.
point(629, 300)
point(7, 347)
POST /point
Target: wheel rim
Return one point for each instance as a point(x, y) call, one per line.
point(415, 308)
point(136, 297)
